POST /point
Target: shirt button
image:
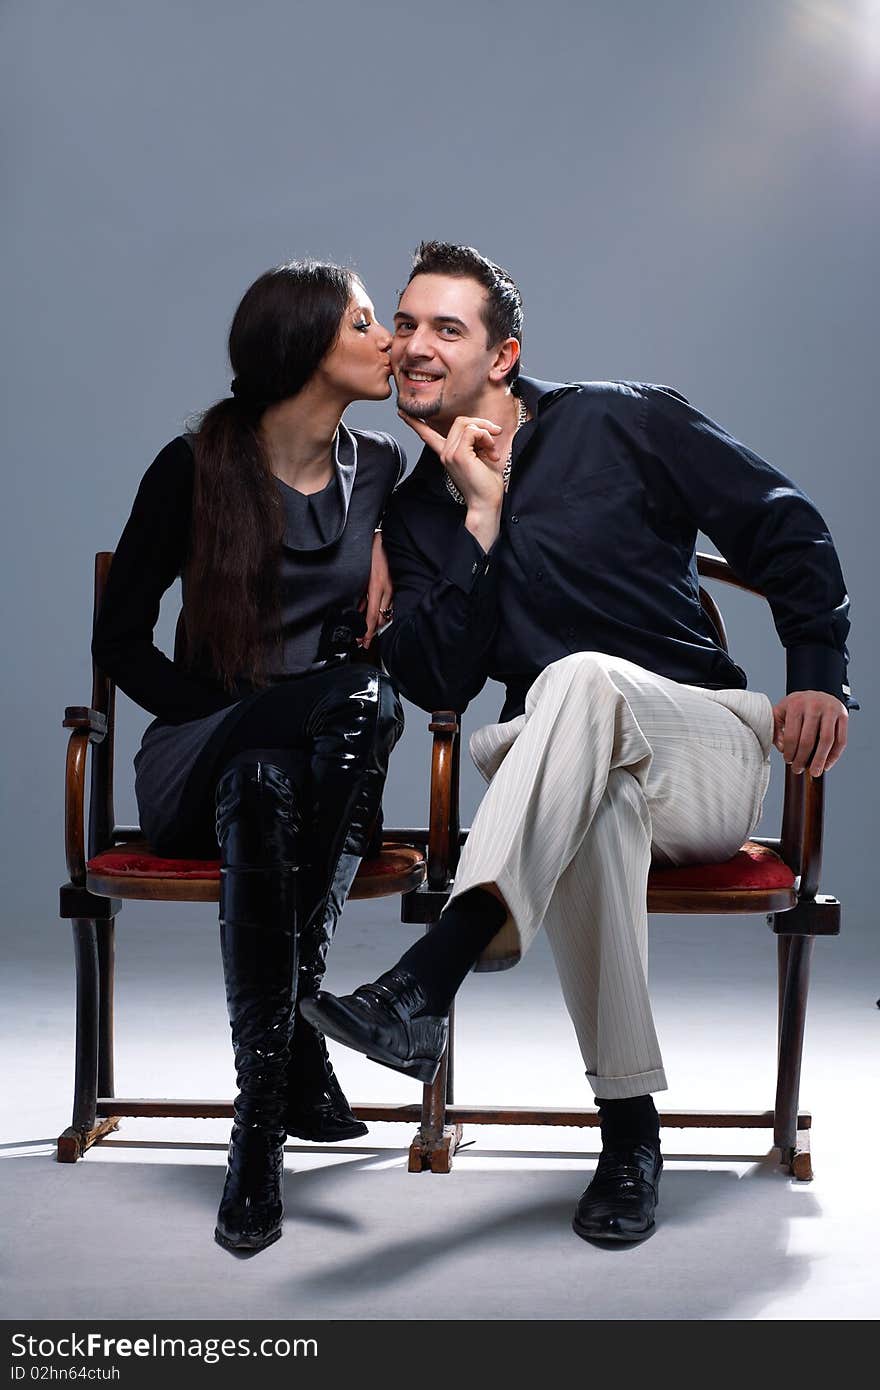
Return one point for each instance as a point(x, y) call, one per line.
point(514, 518)
point(569, 632)
point(539, 576)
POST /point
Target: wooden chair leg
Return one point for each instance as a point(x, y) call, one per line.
point(450, 1057)
point(106, 971)
point(84, 1130)
point(801, 1165)
point(794, 1152)
point(783, 944)
point(436, 1142)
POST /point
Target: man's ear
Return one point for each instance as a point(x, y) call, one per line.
point(506, 356)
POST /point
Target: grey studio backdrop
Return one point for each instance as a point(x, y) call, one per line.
point(686, 193)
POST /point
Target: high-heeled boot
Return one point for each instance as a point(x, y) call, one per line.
point(354, 736)
point(317, 1108)
point(258, 830)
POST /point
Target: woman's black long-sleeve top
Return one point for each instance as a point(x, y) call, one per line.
point(331, 570)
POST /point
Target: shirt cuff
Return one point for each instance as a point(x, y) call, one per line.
point(815, 667)
point(467, 561)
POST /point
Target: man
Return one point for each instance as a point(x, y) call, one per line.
point(546, 539)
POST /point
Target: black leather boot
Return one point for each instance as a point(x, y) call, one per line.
point(258, 830)
point(354, 732)
point(317, 1108)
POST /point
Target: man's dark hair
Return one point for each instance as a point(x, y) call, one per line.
point(503, 311)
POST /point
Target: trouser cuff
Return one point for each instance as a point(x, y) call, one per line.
point(625, 1087)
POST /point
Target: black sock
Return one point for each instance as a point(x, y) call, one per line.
point(443, 956)
point(626, 1123)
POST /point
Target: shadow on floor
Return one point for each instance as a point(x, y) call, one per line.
point(366, 1239)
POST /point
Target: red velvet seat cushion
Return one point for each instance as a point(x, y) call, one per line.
point(754, 866)
point(139, 860)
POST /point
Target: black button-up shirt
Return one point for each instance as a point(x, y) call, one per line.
point(610, 483)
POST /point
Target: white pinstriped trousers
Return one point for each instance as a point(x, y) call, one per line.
point(610, 768)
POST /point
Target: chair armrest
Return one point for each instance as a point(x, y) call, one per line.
point(87, 726)
point(74, 804)
point(443, 832)
point(811, 838)
point(88, 720)
point(803, 817)
point(126, 834)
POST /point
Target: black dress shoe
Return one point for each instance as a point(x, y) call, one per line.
point(387, 1021)
point(619, 1203)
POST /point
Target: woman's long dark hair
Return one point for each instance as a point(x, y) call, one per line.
point(284, 326)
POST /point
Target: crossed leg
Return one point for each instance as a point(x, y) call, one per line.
point(610, 767)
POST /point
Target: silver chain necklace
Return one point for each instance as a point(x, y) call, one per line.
point(522, 416)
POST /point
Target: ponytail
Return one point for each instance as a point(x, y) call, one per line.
point(231, 588)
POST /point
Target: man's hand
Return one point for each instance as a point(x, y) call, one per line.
point(377, 600)
point(810, 730)
point(467, 453)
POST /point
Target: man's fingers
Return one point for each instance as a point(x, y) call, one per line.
point(476, 438)
point(791, 735)
point(839, 744)
point(489, 425)
point(460, 425)
point(824, 744)
point(474, 435)
point(806, 742)
point(810, 730)
point(428, 435)
point(778, 729)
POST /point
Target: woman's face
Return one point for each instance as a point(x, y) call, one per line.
point(358, 365)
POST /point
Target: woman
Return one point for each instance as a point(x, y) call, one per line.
point(269, 740)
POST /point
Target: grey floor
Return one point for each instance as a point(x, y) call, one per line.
point(127, 1232)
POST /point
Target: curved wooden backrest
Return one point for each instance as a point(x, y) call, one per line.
point(713, 567)
point(102, 816)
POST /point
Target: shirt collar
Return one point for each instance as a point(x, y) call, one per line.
point(537, 396)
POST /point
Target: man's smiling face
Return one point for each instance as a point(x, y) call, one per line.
point(440, 355)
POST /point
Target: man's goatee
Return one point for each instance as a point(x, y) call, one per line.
point(419, 410)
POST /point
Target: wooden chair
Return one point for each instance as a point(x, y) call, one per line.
point(778, 877)
point(122, 865)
